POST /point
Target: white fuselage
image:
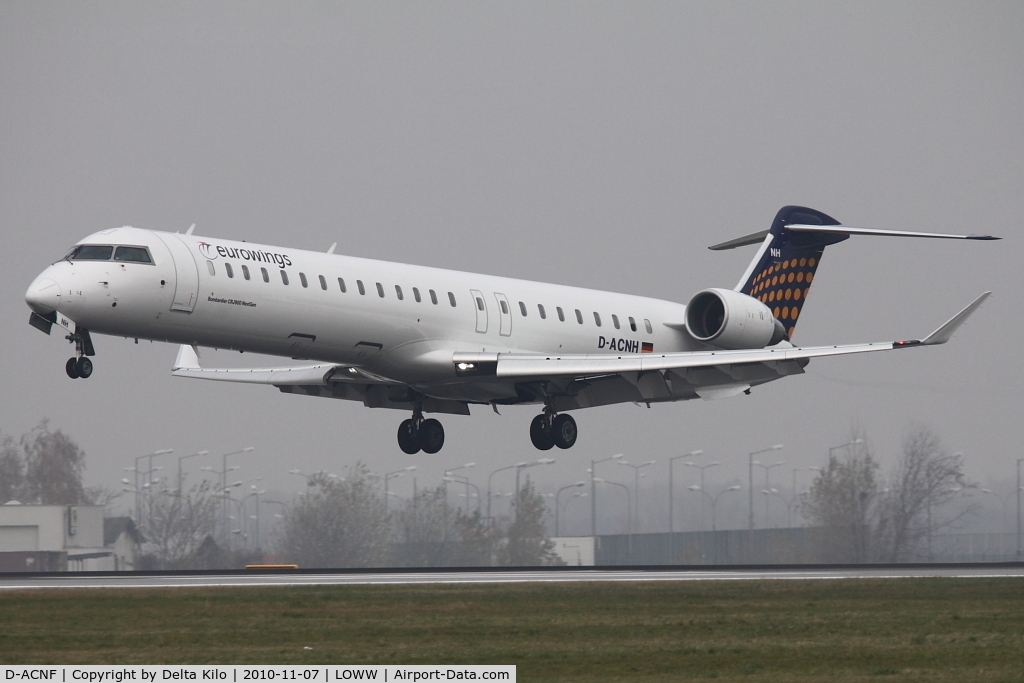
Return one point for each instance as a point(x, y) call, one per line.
point(196, 291)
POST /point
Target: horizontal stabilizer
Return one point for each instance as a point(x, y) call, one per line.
point(847, 230)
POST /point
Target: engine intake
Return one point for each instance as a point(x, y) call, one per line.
point(730, 320)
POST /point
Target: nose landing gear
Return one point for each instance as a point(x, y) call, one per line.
point(417, 434)
point(80, 365)
point(548, 430)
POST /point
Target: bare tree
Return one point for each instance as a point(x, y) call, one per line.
point(843, 500)
point(430, 533)
point(338, 523)
point(528, 543)
point(865, 522)
point(915, 505)
point(53, 467)
point(177, 524)
point(12, 471)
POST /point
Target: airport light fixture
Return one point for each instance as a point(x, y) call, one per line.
point(750, 478)
point(636, 485)
point(855, 442)
point(593, 492)
point(500, 469)
point(138, 500)
point(629, 514)
point(702, 468)
point(395, 475)
point(671, 498)
point(767, 485)
point(714, 523)
point(522, 466)
point(185, 457)
point(558, 493)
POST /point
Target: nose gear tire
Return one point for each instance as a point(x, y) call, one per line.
point(84, 367)
point(71, 367)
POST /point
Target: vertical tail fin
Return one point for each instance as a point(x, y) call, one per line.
point(781, 273)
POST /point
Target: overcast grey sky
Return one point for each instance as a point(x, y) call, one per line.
point(593, 144)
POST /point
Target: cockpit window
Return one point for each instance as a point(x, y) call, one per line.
point(132, 254)
point(89, 252)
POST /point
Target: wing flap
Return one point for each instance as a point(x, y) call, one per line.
point(322, 374)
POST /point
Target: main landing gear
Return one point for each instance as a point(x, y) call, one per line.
point(549, 430)
point(418, 434)
point(80, 365)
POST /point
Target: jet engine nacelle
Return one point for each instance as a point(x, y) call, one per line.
point(730, 320)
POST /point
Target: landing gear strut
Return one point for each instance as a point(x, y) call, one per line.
point(80, 365)
point(417, 434)
point(548, 430)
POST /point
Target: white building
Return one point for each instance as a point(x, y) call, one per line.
point(62, 538)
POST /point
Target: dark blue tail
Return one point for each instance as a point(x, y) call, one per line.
point(780, 275)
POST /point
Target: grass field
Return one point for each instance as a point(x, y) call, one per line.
point(896, 629)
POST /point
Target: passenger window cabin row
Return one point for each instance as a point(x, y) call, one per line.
point(400, 295)
point(230, 272)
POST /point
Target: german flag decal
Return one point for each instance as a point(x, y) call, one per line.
point(647, 347)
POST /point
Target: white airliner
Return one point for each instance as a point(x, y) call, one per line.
point(428, 340)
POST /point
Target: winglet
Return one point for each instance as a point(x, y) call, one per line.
point(188, 358)
point(189, 231)
point(331, 250)
point(942, 335)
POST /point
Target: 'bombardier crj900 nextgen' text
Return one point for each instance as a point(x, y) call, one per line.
point(427, 340)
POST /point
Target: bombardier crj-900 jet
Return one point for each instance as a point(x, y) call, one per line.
point(428, 340)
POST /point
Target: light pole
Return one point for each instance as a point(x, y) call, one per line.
point(519, 468)
point(767, 485)
point(593, 493)
point(500, 469)
point(310, 477)
point(750, 478)
point(448, 473)
point(629, 514)
point(636, 486)
point(224, 480)
point(855, 442)
point(183, 457)
point(162, 451)
point(1003, 500)
point(459, 479)
point(714, 523)
point(557, 494)
point(256, 492)
point(702, 468)
point(789, 506)
point(671, 500)
point(1019, 461)
point(671, 488)
point(395, 475)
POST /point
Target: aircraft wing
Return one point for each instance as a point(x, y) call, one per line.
point(187, 365)
point(592, 365)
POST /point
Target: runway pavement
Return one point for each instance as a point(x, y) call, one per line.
point(353, 577)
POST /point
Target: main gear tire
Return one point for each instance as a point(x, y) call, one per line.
point(563, 431)
point(540, 436)
point(431, 436)
point(407, 440)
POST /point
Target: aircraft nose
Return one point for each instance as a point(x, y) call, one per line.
point(43, 296)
